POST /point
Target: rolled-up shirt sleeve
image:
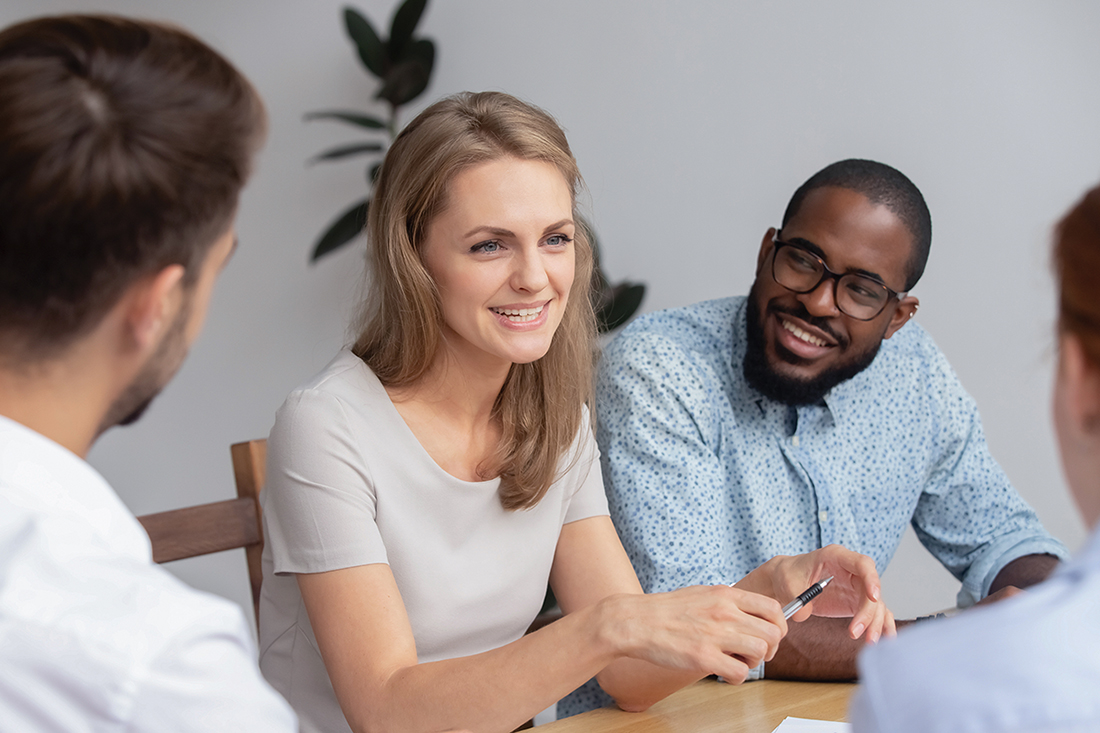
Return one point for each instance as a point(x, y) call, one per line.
point(969, 516)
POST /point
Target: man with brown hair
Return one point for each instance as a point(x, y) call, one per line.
point(123, 148)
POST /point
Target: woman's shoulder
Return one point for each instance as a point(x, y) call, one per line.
point(345, 387)
point(345, 371)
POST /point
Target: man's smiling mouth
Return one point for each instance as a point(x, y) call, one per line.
point(800, 334)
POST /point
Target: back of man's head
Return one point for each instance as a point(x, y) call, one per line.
point(123, 149)
point(881, 185)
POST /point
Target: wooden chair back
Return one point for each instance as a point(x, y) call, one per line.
point(221, 525)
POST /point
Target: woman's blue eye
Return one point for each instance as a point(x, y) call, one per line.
point(558, 240)
point(487, 247)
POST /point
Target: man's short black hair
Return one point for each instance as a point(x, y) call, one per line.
point(882, 185)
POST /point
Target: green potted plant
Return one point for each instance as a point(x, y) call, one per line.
point(402, 64)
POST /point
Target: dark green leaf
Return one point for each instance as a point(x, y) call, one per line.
point(345, 150)
point(625, 300)
point(343, 230)
point(367, 42)
point(355, 118)
point(372, 176)
point(422, 50)
point(402, 27)
point(407, 79)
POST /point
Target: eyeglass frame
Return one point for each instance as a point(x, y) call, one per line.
point(826, 273)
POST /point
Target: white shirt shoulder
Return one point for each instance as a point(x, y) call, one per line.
point(93, 635)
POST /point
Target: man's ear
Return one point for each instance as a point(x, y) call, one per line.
point(152, 304)
point(765, 249)
point(905, 309)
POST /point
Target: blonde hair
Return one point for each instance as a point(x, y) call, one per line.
point(540, 405)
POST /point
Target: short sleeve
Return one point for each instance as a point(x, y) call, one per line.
point(319, 498)
point(588, 499)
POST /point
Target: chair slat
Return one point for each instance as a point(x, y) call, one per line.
point(199, 530)
point(249, 468)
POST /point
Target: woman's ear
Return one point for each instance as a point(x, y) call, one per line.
point(1080, 385)
point(1077, 424)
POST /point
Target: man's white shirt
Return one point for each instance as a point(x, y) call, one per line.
point(93, 635)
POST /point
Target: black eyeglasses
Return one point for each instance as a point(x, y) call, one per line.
point(801, 271)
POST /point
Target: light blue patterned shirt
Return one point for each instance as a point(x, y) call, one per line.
point(707, 478)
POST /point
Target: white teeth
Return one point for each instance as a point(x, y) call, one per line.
point(519, 315)
point(808, 338)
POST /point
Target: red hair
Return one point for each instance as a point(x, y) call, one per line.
point(1077, 266)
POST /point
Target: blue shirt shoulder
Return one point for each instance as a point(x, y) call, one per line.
point(1027, 663)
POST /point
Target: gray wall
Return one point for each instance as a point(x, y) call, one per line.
point(693, 123)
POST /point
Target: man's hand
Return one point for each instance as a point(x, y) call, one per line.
point(1007, 592)
point(820, 648)
point(854, 593)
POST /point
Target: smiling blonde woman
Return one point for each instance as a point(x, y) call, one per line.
point(425, 487)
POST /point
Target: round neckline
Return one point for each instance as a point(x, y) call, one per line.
point(395, 417)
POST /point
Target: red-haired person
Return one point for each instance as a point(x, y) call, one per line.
point(1030, 663)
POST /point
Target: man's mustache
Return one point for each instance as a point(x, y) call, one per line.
point(802, 314)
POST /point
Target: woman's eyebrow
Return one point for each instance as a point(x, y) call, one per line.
point(495, 231)
point(501, 232)
point(559, 225)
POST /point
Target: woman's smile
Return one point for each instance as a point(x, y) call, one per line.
point(527, 316)
point(501, 255)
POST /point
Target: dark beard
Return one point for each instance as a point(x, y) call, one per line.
point(789, 390)
point(157, 372)
point(136, 413)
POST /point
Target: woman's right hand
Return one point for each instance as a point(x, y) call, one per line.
point(703, 629)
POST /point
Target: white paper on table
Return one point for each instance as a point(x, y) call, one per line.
point(805, 725)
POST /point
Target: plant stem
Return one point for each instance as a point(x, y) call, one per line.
point(392, 126)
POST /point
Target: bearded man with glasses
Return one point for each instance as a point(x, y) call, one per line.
point(808, 413)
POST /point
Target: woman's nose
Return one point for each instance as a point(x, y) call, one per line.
point(530, 272)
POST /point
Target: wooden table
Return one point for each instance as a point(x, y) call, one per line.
point(709, 705)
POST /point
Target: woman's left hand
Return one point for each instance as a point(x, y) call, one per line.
point(855, 590)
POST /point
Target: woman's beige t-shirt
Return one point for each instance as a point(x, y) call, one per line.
point(348, 484)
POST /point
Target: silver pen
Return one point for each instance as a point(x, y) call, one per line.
point(805, 597)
